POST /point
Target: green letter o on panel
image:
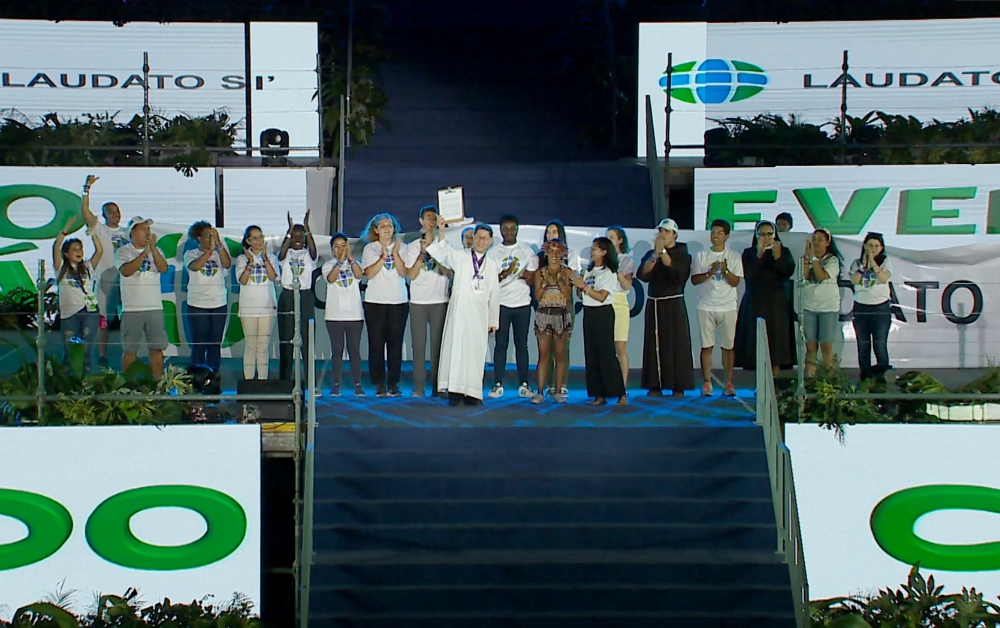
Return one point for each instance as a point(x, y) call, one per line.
point(49, 526)
point(111, 538)
point(66, 204)
point(894, 517)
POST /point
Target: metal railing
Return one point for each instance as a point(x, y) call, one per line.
point(779, 467)
point(302, 452)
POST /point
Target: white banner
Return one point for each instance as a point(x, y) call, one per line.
point(930, 69)
point(939, 296)
point(915, 207)
point(76, 519)
point(892, 496)
point(77, 68)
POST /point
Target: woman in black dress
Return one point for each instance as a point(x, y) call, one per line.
point(666, 350)
point(767, 266)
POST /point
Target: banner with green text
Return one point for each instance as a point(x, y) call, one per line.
point(915, 207)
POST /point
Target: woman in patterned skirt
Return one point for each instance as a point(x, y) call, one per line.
point(553, 322)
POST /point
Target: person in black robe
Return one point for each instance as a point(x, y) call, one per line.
point(767, 268)
point(666, 350)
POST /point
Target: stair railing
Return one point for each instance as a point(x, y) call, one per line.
point(305, 549)
point(779, 467)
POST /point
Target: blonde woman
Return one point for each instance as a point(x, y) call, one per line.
point(386, 302)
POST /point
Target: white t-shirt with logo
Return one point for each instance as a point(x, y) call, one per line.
point(141, 291)
point(257, 298)
point(715, 294)
point(600, 278)
point(626, 266)
point(387, 286)
point(431, 285)
point(343, 295)
point(869, 291)
point(78, 295)
point(111, 240)
point(297, 262)
point(207, 285)
point(514, 291)
point(823, 296)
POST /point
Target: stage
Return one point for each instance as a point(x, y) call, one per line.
point(513, 411)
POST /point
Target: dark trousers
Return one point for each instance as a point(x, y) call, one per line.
point(871, 325)
point(422, 316)
point(207, 326)
point(386, 325)
point(286, 330)
point(339, 332)
point(520, 319)
point(604, 374)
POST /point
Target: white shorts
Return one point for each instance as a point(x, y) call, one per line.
point(722, 322)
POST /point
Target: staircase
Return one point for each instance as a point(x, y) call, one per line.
point(545, 527)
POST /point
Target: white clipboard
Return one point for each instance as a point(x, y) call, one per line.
point(451, 204)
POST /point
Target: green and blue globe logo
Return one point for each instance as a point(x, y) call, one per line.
point(715, 81)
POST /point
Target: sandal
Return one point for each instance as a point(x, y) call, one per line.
point(598, 401)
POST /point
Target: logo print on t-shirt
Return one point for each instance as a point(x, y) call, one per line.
point(211, 268)
point(146, 265)
point(591, 281)
point(117, 241)
point(345, 279)
point(297, 265)
point(511, 261)
point(258, 273)
point(429, 262)
point(389, 262)
point(868, 278)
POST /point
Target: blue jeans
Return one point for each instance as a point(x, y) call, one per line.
point(207, 326)
point(871, 325)
point(82, 325)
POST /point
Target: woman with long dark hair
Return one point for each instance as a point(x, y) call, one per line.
point(344, 318)
point(821, 298)
point(77, 284)
point(767, 265)
point(596, 287)
point(872, 319)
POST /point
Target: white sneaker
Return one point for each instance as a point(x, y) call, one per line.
point(525, 391)
point(318, 393)
point(497, 391)
point(563, 391)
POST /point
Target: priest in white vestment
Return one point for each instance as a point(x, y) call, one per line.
point(473, 314)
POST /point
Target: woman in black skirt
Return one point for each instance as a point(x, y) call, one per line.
point(596, 287)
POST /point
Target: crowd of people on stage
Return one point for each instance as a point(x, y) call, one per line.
point(457, 297)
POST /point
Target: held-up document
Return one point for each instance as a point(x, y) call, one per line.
point(451, 204)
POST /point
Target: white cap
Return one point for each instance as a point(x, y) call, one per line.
point(668, 224)
point(138, 220)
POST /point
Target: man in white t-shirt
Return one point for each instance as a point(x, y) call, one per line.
point(517, 264)
point(140, 264)
point(717, 271)
point(112, 237)
point(429, 286)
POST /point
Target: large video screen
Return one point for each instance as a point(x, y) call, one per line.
point(924, 68)
point(78, 68)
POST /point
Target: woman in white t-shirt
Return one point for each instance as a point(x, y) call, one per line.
point(344, 318)
point(386, 302)
point(207, 298)
point(257, 272)
point(872, 319)
point(596, 287)
point(820, 298)
point(79, 317)
point(626, 274)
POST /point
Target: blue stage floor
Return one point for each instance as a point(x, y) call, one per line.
point(514, 411)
